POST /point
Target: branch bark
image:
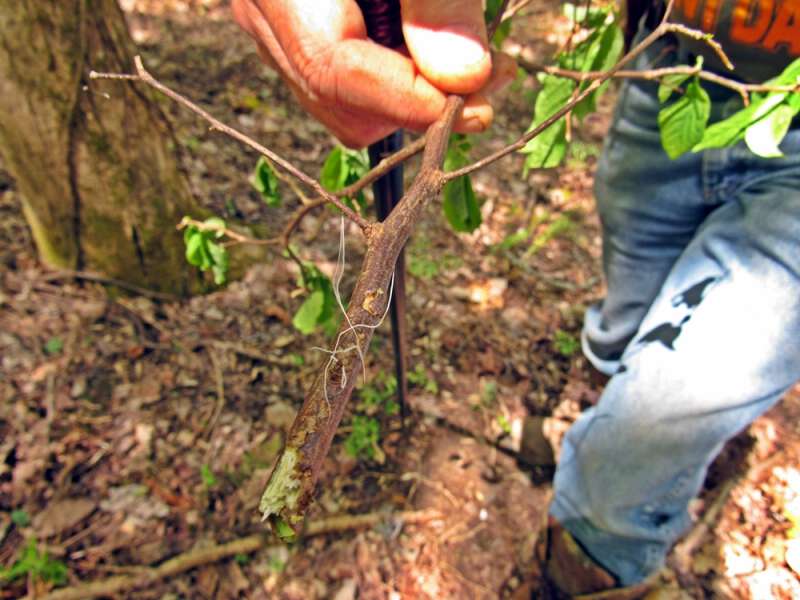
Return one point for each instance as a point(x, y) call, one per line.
point(291, 485)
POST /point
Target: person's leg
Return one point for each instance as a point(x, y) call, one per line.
point(650, 208)
point(719, 345)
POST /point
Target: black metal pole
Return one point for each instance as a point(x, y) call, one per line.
point(382, 18)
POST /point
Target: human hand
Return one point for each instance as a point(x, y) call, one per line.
point(362, 91)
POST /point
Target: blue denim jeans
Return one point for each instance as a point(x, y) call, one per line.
point(700, 329)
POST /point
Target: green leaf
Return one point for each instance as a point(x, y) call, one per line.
point(548, 149)
point(682, 123)
point(489, 14)
point(266, 182)
point(591, 18)
point(460, 205)
point(459, 202)
point(219, 261)
point(343, 167)
point(320, 307)
point(731, 130)
point(764, 136)
point(208, 477)
point(333, 173)
point(204, 253)
point(20, 518)
point(605, 54)
point(308, 315)
point(668, 85)
point(196, 251)
point(283, 530)
point(218, 226)
point(54, 345)
point(38, 565)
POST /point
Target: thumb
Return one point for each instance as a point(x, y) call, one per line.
point(447, 40)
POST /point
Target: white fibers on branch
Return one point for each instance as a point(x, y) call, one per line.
point(337, 279)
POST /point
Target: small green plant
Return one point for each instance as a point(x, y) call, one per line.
point(565, 344)
point(364, 438)
point(36, 564)
point(241, 559)
point(419, 378)
point(424, 262)
point(20, 518)
point(422, 267)
point(504, 424)
point(208, 477)
point(580, 152)
point(561, 226)
point(54, 346)
point(489, 393)
point(276, 564)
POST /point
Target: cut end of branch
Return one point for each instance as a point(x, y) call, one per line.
point(280, 497)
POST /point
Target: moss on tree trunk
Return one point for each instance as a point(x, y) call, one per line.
point(94, 164)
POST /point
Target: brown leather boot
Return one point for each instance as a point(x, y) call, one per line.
point(571, 573)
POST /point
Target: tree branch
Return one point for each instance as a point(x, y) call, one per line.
point(742, 88)
point(700, 37)
point(238, 238)
point(383, 167)
point(145, 77)
point(195, 558)
point(663, 28)
point(498, 19)
point(291, 485)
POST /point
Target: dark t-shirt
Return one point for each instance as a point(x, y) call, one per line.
point(761, 37)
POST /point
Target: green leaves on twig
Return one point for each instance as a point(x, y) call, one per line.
point(762, 125)
point(343, 167)
point(599, 51)
point(203, 249)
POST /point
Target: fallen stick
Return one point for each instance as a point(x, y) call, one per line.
point(251, 543)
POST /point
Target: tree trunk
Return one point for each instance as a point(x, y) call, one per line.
point(94, 161)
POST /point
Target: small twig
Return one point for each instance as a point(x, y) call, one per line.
point(145, 77)
point(498, 19)
point(237, 237)
point(296, 219)
point(700, 37)
point(194, 558)
point(664, 28)
point(383, 167)
point(97, 278)
point(515, 8)
point(743, 89)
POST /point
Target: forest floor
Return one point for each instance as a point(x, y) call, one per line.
point(134, 430)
